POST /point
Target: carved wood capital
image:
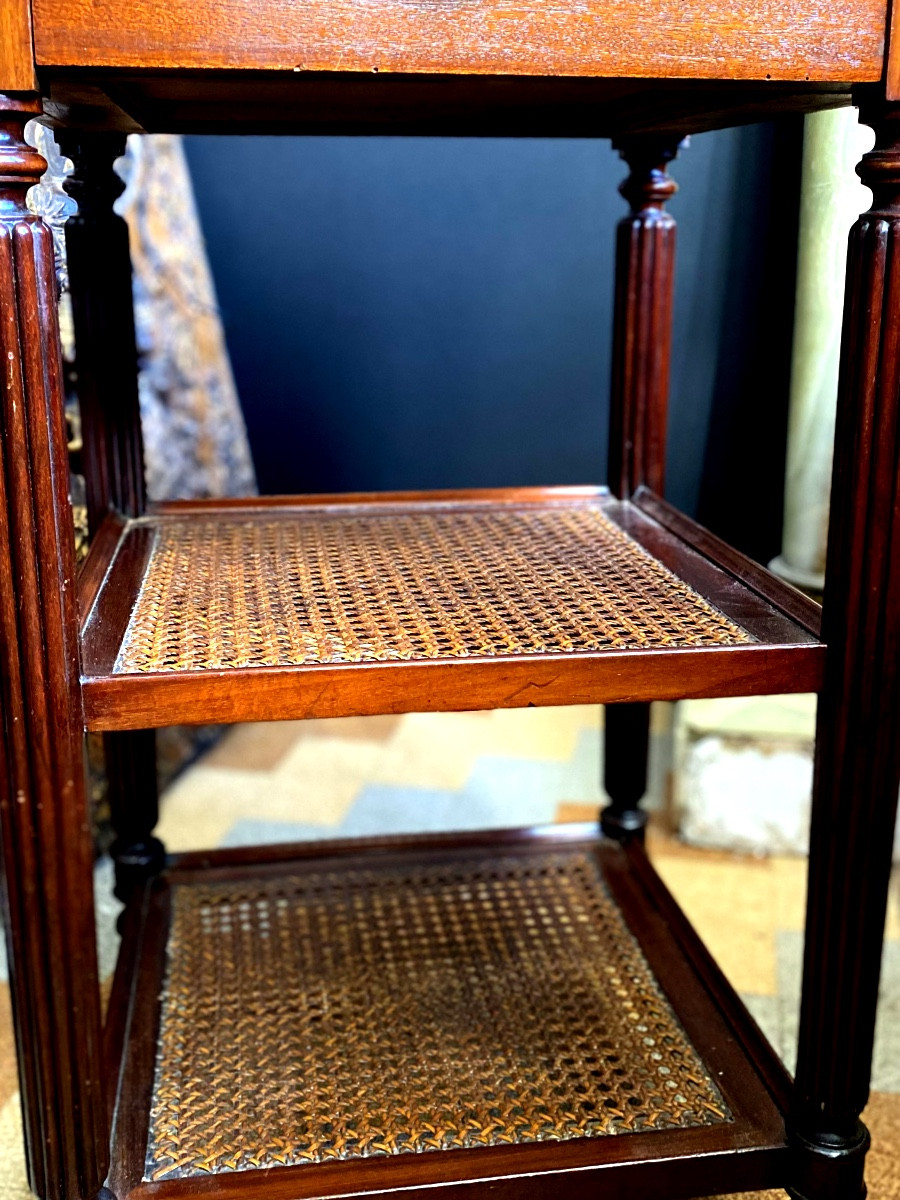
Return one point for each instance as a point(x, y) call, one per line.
point(21, 166)
point(649, 186)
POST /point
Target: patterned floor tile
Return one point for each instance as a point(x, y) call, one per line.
point(505, 767)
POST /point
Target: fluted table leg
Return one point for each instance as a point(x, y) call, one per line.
point(46, 835)
point(107, 385)
point(642, 336)
point(857, 769)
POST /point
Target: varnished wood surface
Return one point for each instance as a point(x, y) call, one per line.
point(750, 1152)
point(45, 828)
point(857, 765)
point(642, 329)
point(282, 694)
point(800, 607)
point(892, 70)
point(828, 40)
point(784, 658)
point(17, 72)
point(639, 398)
point(106, 376)
point(339, 500)
point(103, 547)
point(106, 383)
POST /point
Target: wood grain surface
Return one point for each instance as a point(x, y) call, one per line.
point(45, 828)
point(705, 39)
point(892, 67)
point(16, 54)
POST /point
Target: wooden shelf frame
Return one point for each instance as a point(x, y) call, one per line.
point(785, 654)
point(231, 65)
point(749, 1151)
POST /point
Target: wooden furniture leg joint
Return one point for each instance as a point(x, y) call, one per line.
point(830, 1168)
point(639, 399)
point(627, 743)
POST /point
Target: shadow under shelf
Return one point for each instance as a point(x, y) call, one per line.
point(323, 606)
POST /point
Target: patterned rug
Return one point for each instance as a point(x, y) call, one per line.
point(359, 776)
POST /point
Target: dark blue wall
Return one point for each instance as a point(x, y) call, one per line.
point(415, 313)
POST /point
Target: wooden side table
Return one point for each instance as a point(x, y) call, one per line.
point(512, 1014)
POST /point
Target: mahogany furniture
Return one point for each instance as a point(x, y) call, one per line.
point(518, 1014)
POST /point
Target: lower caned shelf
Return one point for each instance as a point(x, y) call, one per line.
point(360, 1017)
point(330, 606)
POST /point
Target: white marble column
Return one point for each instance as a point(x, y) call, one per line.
point(743, 767)
point(831, 199)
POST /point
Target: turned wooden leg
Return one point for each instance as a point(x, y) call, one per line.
point(134, 808)
point(642, 336)
point(626, 752)
point(857, 771)
point(46, 842)
point(99, 265)
point(107, 385)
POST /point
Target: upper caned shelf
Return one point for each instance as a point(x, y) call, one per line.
point(327, 606)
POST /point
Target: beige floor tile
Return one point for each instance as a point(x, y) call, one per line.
point(736, 908)
point(572, 811)
point(529, 733)
point(283, 773)
point(8, 1079)
point(883, 1163)
point(13, 1183)
point(263, 745)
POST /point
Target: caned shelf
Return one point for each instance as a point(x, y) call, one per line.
point(329, 606)
point(354, 1017)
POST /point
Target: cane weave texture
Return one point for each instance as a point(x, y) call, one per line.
point(401, 1009)
point(370, 586)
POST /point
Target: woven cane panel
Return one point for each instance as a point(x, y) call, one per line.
point(402, 1010)
point(369, 587)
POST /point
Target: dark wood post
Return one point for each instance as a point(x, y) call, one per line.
point(642, 337)
point(47, 851)
point(134, 808)
point(106, 358)
point(626, 752)
point(642, 329)
point(857, 772)
point(107, 385)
